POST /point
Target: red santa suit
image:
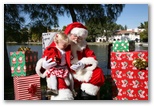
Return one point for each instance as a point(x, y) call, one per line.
point(58, 56)
point(64, 92)
point(91, 78)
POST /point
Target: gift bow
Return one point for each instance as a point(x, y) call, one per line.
point(23, 48)
point(140, 63)
point(32, 89)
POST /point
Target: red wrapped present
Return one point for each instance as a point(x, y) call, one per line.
point(125, 60)
point(27, 87)
point(129, 71)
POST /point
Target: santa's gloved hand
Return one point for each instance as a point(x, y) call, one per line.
point(47, 64)
point(78, 66)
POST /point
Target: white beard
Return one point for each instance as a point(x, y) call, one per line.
point(75, 46)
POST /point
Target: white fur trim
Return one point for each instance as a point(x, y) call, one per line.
point(90, 88)
point(49, 84)
point(86, 73)
point(74, 53)
point(38, 68)
point(79, 32)
point(64, 94)
point(67, 81)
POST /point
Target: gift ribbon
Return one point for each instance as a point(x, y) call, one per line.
point(140, 63)
point(32, 89)
point(24, 48)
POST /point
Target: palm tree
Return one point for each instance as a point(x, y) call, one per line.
point(144, 34)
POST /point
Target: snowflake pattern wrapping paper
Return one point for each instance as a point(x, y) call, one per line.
point(123, 46)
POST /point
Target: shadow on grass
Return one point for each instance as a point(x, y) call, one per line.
point(8, 89)
point(107, 91)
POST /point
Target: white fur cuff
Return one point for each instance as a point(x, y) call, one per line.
point(86, 73)
point(64, 94)
point(90, 89)
point(38, 68)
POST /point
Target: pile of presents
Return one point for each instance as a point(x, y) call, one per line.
point(129, 71)
point(26, 81)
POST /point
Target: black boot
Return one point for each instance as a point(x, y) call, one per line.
point(50, 92)
point(78, 97)
point(86, 96)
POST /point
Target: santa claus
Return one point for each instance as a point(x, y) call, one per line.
point(88, 76)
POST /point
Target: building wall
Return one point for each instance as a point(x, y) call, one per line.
point(101, 39)
point(133, 35)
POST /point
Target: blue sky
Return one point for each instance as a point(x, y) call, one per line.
point(132, 16)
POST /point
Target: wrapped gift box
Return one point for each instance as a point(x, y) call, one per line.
point(131, 85)
point(131, 82)
point(23, 62)
point(124, 60)
point(27, 87)
point(123, 46)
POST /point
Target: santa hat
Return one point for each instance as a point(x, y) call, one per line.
point(76, 28)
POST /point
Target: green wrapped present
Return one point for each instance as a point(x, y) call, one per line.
point(23, 63)
point(123, 46)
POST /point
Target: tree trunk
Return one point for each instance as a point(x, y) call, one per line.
point(7, 69)
point(73, 15)
point(8, 80)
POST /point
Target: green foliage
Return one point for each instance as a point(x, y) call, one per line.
point(12, 22)
point(64, 27)
point(24, 34)
point(36, 30)
point(103, 27)
point(44, 13)
point(35, 37)
point(47, 15)
point(113, 11)
point(125, 27)
point(18, 36)
point(90, 38)
point(144, 34)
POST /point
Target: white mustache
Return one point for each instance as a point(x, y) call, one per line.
point(77, 40)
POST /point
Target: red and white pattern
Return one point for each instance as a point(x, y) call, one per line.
point(61, 72)
point(27, 87)
point(124, 60)
point(131, 83)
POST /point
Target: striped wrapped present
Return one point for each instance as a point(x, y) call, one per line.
point(27, 87)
